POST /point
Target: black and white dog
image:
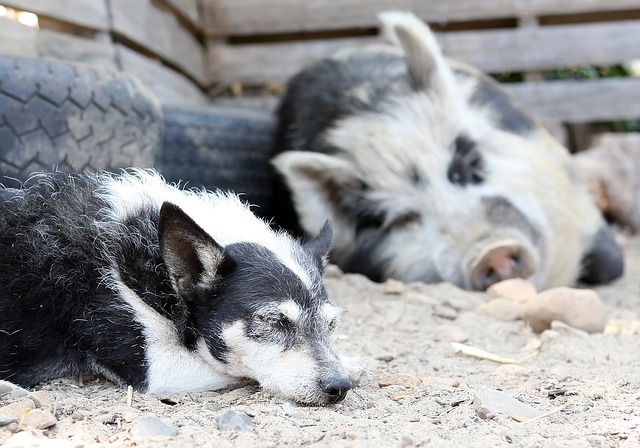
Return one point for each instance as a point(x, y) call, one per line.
point(160, 288)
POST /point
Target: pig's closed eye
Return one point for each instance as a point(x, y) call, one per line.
point(369, 220)
point(405, 219)
point(378, 221)
point(467, 166)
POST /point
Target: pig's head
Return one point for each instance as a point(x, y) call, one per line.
point(430, 172)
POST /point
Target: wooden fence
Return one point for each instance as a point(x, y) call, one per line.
point(259, 46)
point(159, 41)
point(193, 51)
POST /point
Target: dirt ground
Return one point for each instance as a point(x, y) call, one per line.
point(581, 390)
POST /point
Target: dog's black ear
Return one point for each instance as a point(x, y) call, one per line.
point(320, 245)
point(195, 261)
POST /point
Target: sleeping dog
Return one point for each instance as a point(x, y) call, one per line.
point(161, 288)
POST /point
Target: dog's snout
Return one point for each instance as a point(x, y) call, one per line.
point(335, 388)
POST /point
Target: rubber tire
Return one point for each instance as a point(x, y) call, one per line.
point(220, 147)
point(58, 114)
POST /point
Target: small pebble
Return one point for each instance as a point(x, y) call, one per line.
point(231, 420)
point(579, 308)
point(288, 409)
point(393, 287)
point(399, 379)
point(39, 419)
point(453, 334)
point(452, 382)
point(108, 419)
point(17, 409)
point(532, 345)
point(501, 308)
point(490, 402)
point(354, 435)
point(18, 392)
point(378, 352)
point(14, 391)
point(446, 312)
point(7, 420)
point(511, 371)
point(516, 289)
point(5, 387)
point(152, 427)
point(419, 297)
point(42, 398)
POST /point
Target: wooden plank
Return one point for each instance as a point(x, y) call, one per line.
point(189, 10)
point(581, 101)
point(256, 65)
point(493, 51)
point(243, 17)
point(541, 48)
point(86, 13)
point(160, 33)
point(168, 85)
point(552, 102)
point(269, 102)
point(17, 39)
point(53, 44)
point(20, 40)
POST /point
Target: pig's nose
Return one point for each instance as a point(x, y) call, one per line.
point(335, 388)
point(500, 261)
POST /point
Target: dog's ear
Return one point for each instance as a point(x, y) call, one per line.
point(320, 245)
point(195, 261)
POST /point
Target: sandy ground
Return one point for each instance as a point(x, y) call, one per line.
point(584, 389)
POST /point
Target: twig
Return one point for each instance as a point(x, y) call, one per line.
point(483, 354)
point(548, 413)
point(21, 422)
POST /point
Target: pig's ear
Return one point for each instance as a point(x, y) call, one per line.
point(195, 261)
point(316, 182)
point(426, 65)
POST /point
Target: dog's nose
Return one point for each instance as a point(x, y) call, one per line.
point(336, 388)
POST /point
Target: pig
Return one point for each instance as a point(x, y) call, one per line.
point(430, 172)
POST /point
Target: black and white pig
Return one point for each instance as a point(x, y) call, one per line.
point(160, 288)
point(430, 172)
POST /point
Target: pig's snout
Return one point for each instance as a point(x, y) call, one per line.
point(499, 261)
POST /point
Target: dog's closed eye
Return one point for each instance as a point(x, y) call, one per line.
point(277, 321)
point(274, 327)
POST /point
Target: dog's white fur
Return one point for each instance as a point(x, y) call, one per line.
point(233, 222)
point(173, 368)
